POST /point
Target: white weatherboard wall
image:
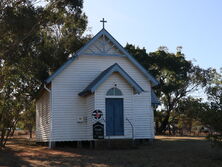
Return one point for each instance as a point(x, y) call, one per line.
point(43, 118)
point(143, 117)
point(90, 102)
point(67, 105)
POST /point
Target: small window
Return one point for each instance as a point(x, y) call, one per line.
point(114, 92)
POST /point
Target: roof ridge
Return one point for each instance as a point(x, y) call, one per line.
point(103, 31)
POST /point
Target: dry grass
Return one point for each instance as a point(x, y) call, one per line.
point(165, 151)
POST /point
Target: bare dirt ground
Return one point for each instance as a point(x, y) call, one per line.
point(165, 151)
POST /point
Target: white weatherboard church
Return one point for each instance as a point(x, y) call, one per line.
point(101, 84)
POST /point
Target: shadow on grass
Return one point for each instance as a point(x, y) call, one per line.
point(9, 159)
point(163, 152)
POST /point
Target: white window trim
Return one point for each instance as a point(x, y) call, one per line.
point(114, 95)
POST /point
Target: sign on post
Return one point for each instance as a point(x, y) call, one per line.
point(98, 130)
point(97, 114)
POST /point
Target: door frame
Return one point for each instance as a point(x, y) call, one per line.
point(115, 97)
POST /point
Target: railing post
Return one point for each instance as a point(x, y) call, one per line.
point(132, 129)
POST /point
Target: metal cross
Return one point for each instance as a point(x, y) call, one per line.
point(103, 21)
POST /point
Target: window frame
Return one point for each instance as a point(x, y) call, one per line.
point(119, 94)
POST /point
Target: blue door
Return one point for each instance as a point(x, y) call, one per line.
point(114, 117)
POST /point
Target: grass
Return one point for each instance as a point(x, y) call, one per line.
point(165, 151)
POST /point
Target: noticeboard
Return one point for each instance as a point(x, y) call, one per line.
point(98, 130)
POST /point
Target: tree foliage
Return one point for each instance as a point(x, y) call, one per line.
point(27, 118)
point(34, 41)
point(177, 77)
point(212, 117)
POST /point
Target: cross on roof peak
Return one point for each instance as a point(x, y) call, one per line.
point(103, 21)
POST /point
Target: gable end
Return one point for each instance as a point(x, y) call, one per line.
point(104, 33)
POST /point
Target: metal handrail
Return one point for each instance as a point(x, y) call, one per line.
point(106, 126)
point(131, 127)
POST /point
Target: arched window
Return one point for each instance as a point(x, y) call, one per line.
point(114, 92)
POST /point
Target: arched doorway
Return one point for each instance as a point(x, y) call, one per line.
point(114, 112)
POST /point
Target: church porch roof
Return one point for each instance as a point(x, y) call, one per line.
point(105, 75)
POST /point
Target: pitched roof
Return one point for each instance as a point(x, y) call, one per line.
point(153, 81)
point(154, 99)
point(105, 75)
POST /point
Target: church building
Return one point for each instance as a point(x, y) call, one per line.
point(101, 92)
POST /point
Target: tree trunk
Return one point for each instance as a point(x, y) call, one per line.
point(13, 131)
point(164, 124)
point(30, 132)
point(173, 129)
point(3, 131)
point(6, 137)
point(157, 126)
point(169, 130)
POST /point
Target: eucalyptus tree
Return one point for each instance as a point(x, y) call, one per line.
point(35, 40)
point(176, 75)
point(212, 117)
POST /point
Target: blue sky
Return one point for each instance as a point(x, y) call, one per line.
point(196, 25)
